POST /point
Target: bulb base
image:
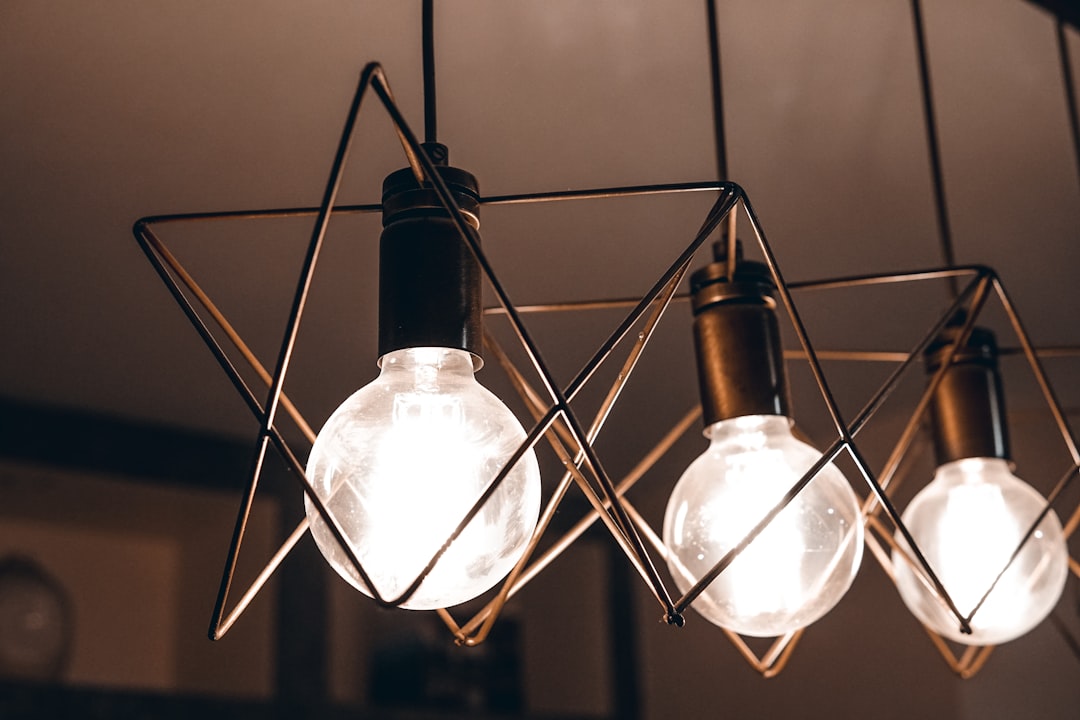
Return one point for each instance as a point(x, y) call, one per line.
point(429, 280)
point(967, 411)
point(737, 340)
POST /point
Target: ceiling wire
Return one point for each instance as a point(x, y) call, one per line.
point(720, 141)
point(428, 41)
point(1070, 88)
point(717, 91)
point(937, 177)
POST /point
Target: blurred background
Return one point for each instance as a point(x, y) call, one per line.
point(125, 449)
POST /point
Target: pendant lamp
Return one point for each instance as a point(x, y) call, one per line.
point(422, 490)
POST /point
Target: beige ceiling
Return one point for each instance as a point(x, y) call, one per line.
point(115, 109)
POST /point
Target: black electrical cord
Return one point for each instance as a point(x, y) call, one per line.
point(938, 179)
point(430, 119)
point(717, 92)
point(1070, 88)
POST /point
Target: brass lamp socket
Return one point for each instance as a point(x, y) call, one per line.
point(967, 411)
point(737, 340)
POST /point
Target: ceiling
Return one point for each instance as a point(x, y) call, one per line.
point(114, 110)
point(118, 109)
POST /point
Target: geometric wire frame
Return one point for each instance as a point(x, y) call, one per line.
point(555, 420)
point(557, 424)
point(970, 302)
point(880, 540)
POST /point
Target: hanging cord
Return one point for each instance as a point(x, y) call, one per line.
point(720, 141)
point(717, 92)
point(430, 120)
point(1070, 88)
point(944, 231)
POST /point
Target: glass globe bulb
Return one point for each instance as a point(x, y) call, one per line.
point(800, 565)
point(402, 461)
point(968, 522)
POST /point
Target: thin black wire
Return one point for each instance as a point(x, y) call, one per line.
point(938, 179)
point(717, 92)
point(428, 40)
point(1070, 89)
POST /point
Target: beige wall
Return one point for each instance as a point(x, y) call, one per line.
point(141, 563)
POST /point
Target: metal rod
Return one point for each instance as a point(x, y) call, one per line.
point(875, 279)
point(629, 480)
point(579, 305)
point(522, 575)
point(1032, 528)
point(517, 199)
point(969, 664)
point(603, 193)
point(1063, 428)
point(292, 326)
point(310, 260)
point(262, 578)
point(732, 242)
point(776, 658)
point(796, 321)
point(632, 544)
point(808, 285)
point(230, 332)
point(936, 174)
point(1040, 374)
point(262, 214)
point(873, 523)
point(924, 571)
point(372, 71)
point(1074, 521)
point(373, 208)
point(723, 205)
point(977, 290)
point(148, 241)
point(476, 629)
point(975, 656)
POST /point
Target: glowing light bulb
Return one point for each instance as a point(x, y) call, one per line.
point(968, 522)
point(800, 565)
point(402, 461)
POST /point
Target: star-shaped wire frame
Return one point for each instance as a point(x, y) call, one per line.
point(968, 303)
point(556, 422)
point(983, 284)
